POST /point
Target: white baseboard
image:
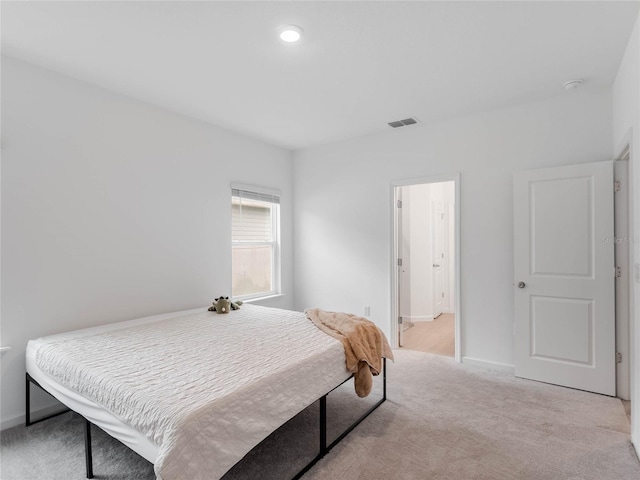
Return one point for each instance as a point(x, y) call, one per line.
point(35, 415)
point(420, 318)
point(488, 365)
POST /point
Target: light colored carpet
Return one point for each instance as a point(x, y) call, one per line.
point(443, 420)
point(436, 336)
point(627, 408)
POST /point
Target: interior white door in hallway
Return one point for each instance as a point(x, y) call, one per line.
point(564, 276)
point(437, 224)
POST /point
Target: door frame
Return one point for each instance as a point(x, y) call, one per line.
point(393, 325)
point(624, 284)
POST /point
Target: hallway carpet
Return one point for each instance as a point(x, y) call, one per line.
point(443, 420)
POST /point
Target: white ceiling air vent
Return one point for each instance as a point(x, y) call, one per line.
point(403, 123)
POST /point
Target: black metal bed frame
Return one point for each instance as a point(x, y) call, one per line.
point(323, 447)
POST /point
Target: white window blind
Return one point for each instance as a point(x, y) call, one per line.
point(255, 243)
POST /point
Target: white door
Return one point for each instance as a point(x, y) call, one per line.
point(403, 257)
point(564, 276)
point(438, 257)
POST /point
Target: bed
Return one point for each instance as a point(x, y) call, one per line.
point(192, 392)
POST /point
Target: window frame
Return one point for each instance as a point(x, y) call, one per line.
point(274, 198)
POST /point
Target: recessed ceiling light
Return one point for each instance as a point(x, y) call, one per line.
point(571, 84)
point(290, 33)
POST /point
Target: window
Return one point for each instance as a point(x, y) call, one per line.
point(255, 231)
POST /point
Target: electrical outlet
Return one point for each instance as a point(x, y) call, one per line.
point(367, 310)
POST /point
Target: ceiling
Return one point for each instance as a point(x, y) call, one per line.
point(359, 65)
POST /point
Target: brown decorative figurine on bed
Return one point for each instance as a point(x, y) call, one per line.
point(224, 305)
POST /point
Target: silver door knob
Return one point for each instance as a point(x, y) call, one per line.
point(521, 284)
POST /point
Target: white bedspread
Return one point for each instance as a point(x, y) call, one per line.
point(206, 388)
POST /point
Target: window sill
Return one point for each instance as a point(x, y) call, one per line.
point(266, 297)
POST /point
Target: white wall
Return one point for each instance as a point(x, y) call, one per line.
point(626, 130)
point(113, 209)
point(342, 213)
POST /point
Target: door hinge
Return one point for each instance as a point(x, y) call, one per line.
point(618, 357)
point(399, 262)
point(399, 203)
point(617, 186)
point(399, 320)
point(618, 272)
point(442, 294)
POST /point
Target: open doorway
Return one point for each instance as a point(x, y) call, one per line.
point(426, 246)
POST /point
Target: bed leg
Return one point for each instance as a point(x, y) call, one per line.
point(27, 397)
point(323, 426)
point(87, 448)
point(384, 378)
point(324, 448)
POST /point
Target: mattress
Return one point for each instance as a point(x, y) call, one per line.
point(194, 391)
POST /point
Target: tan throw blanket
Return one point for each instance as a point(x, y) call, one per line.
point(364, 344)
